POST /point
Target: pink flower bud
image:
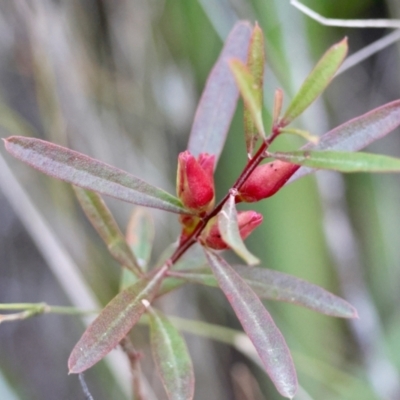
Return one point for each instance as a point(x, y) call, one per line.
point(265, 181)
point(247, 221)
point(195, 181)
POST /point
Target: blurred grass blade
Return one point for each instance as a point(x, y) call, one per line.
point(341, 161)
point(114, 322)
point(277, 286)
point(255, 64)
point(228, 226)
point(106, 226)
point(316, 82)
point(259, 326)
point(218, 101)
point(88, 173)
point(140, 235)
point(171, 356)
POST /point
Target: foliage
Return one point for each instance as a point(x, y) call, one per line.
point(215, 227)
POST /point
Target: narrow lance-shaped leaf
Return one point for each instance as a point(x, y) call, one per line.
point(341, 161)
point(255, 64)
point(259, 326)
point(114, 322)
point(249, 90)
point(88, 173)
point(278, 101)
point(106, 226)
point(229, 229)
point(171, 356)
point(277, 286)
point(218, 101)
point(357, 133)
point(353, 135)
point(318, 79)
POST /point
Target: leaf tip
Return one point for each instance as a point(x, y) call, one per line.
point(6, 141)
point(257, 27)
point(355, 314)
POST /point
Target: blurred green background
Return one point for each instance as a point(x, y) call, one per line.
point(119, 80)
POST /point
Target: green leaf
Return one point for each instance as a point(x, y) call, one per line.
point(341, 161)
point(106, 226)
point(277, 286)
point(249, 90)
point(171, 356)
point(228, 226)
point(258, 325)
point(255, 64)
point(316, 82)
point(219, 98)
point(114, 322)
point(88, 173)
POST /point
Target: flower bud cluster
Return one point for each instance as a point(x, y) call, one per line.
point(195, 189)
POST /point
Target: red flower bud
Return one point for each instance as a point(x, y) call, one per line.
point(247, 221)
point(195, 181)
point(265, 181)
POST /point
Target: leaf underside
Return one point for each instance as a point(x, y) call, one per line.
point(356, 134)
point(258, 325)
point(83, 171)
point(218, 101)
point(114, 322)
point(277, 286)
point(228, 226)
point(171, 356)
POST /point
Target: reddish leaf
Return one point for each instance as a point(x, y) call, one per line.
point(259, 326)
point(171, 357)
point(277, 286)
point(88, 173)
point(274, 285)
point(218, 101)
point(353, 135)
point(357, 133)
point(114, 322)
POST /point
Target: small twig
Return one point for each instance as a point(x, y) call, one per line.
point(368, 51)
point(346, 23)
point(44, 308)
point(365, 52)
point(85, 388)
